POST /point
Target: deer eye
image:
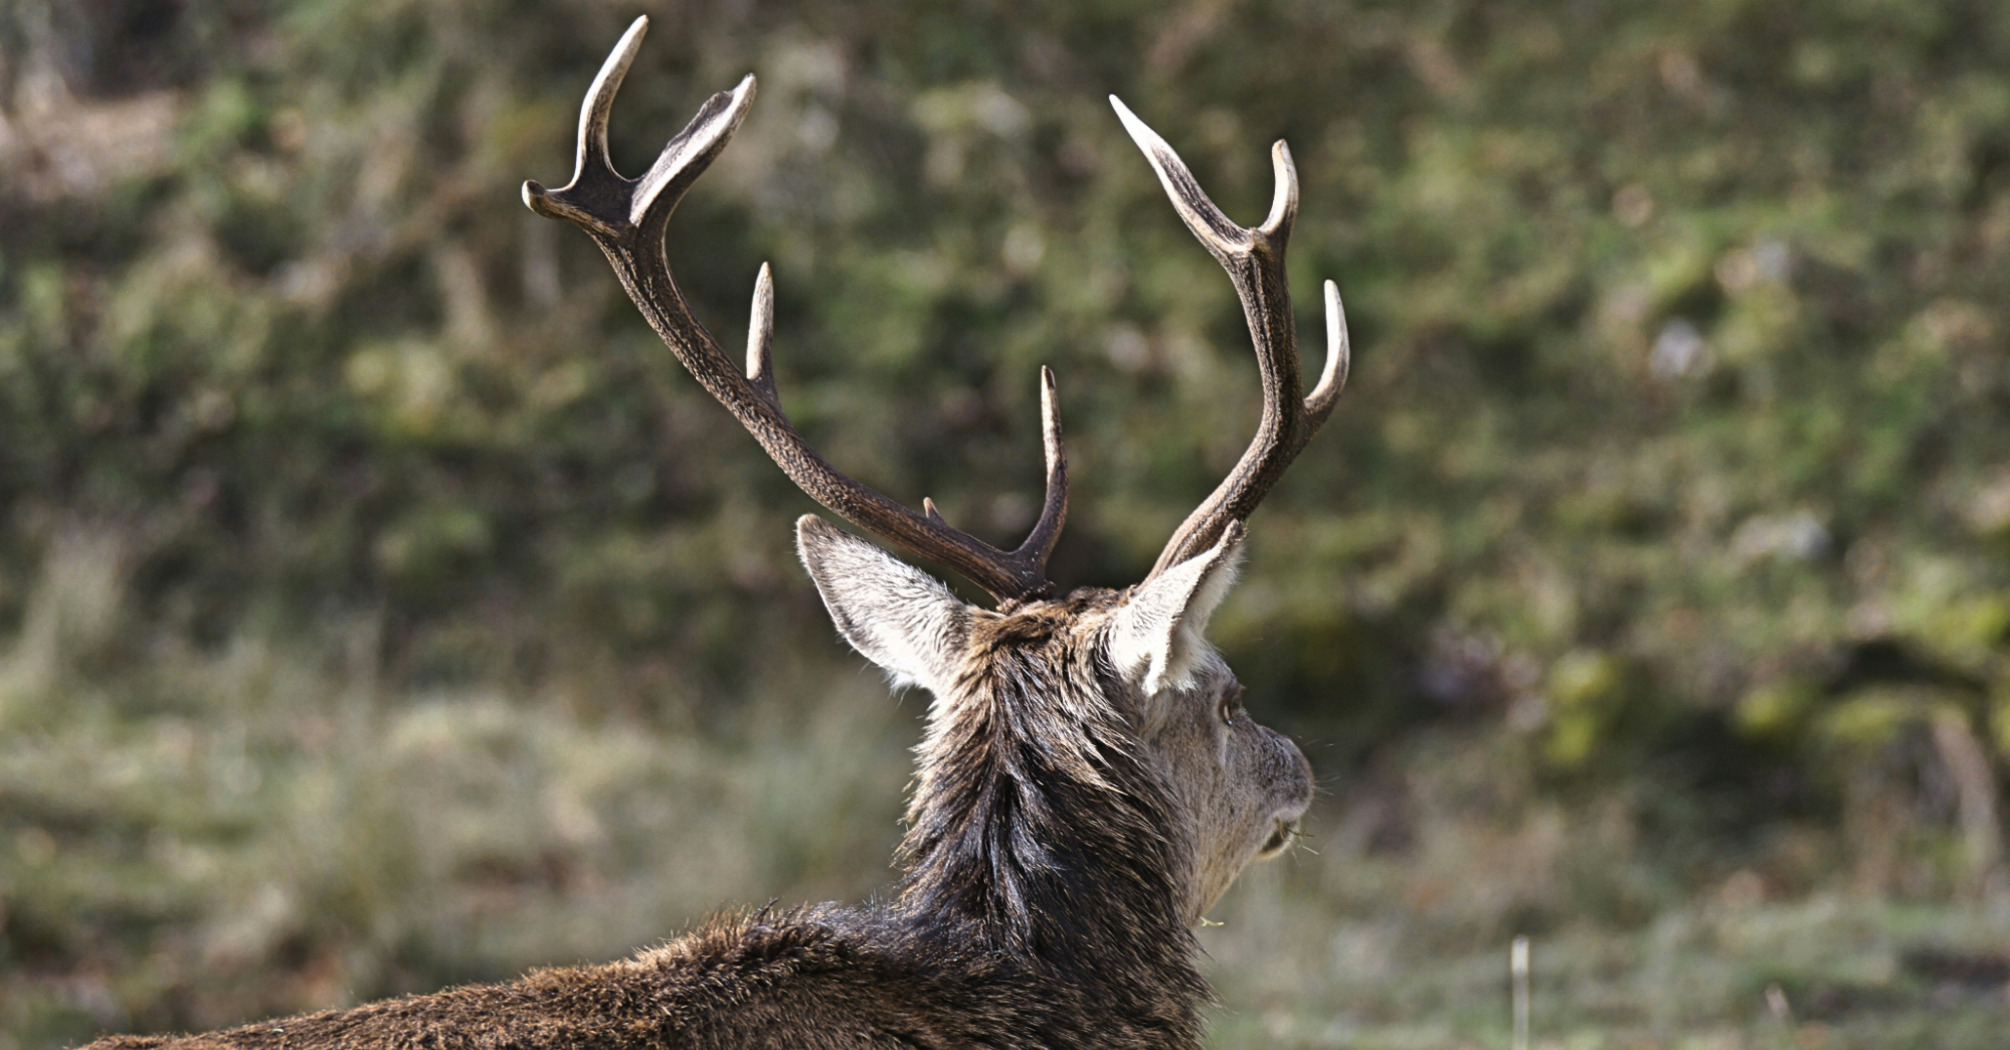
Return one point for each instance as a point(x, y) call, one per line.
point(1231, 705)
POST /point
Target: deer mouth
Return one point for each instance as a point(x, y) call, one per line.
point(1280, 837)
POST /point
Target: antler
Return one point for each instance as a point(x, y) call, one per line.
point(1254, 259)
point(627, 218)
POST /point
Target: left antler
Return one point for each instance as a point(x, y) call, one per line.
point(1254, 259)
point(628, 217)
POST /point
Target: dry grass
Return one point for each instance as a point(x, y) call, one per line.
point(194, 838)
point(1294, 970)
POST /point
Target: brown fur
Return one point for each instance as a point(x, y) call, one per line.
point(817, 978)
point(1066, 831)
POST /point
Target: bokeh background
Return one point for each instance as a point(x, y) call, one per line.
point(381, 607)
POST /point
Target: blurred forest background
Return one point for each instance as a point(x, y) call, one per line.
point(381, 606)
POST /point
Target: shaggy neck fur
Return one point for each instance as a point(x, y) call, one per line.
point(1036, 826)
point(1041, 908)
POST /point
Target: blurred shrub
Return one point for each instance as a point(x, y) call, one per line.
point(1674, 469)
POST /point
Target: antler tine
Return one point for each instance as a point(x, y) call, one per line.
point(1054, 510)
point(627, 218)
point(1339, 357)
point(761, 336)
point(1254, 259)
point(597, 196)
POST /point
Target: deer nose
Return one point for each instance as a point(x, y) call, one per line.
point(1296, 794)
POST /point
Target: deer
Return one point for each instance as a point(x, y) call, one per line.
point(1088, 781)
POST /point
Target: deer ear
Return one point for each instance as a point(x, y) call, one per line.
point(1156, 636)
point(894, 614)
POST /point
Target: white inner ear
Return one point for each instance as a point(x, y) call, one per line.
point(1156, 639)
point(894, 614)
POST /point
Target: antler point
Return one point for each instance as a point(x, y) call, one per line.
point(1050, 419)
point(1140, 132)
point(761, 334)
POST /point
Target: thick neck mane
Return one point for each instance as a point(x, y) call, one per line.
point(1036, 824)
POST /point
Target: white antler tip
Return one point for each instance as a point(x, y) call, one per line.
point(630, 42)
point(1139, 130)
point(633, 36)
point(600, 99)
point(761, 333)
point(1284, 202)
point(1050, 421)
point(743, 96)
point(1336, 320)
point(1333, 377)
point(1050, 404)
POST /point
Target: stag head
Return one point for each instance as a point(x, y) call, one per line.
point(1089, 782)
point(1087, 740)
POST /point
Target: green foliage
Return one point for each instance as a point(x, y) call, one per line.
point(1672, 468)
point(1673, 333)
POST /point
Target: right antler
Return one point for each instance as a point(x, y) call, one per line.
point(628, 217)
point(1254, 259)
